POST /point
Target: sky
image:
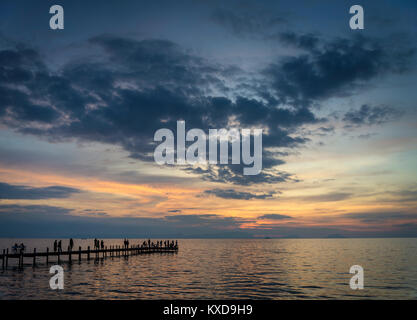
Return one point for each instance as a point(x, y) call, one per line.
point(79, 108)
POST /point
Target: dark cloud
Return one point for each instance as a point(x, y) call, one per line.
point(370, 115)
point(334, 68)
point(8, 191)
point(137, 87)
point(306, 41)
point(240, 195)
point(382, 216)
point(19, 67)
point(274, 216)
point(232, 174)
point(132, 90)
point(248, 22)
point(32, 211)
point(327, 129)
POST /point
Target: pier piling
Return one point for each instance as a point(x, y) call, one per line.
point(21, 259)
point(34, 257)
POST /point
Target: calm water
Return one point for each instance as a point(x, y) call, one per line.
point(228, 269)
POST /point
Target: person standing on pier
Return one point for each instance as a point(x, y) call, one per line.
point(60, 246)
point(102, 244)
point(55, 245)
point(71, 244)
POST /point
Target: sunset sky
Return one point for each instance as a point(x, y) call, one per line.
point(79, 108)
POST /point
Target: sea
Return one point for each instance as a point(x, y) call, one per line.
point(223, 269)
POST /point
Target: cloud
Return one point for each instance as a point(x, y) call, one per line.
point(274, 216)
point(334, 68)
point(406, 195)
point(50, 221)
point(306, 41)
point(133, 89)
point(40, 212)
point(57, 222)
point(371, 115)
point(253, 21)
point(8, 191)
point(381, 216)
point(231, 174)
point(240, 195)
point(329, 197)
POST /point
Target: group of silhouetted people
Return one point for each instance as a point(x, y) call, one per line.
point(160, 244)
point(58, 245)
point(18, 248)
point(98, 244)
point(126, 243)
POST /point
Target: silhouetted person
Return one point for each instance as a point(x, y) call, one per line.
point(60, 246)
point(71, 244)
point(102, 244)
point(149, 243)
point(176, 243)
point(55, 246)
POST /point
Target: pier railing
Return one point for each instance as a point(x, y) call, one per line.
point(78, 255)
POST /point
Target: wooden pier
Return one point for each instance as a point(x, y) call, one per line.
point(79, 255)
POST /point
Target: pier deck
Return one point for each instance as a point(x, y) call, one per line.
point(78, 255)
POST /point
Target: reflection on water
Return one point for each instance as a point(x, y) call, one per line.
point(227, 269)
